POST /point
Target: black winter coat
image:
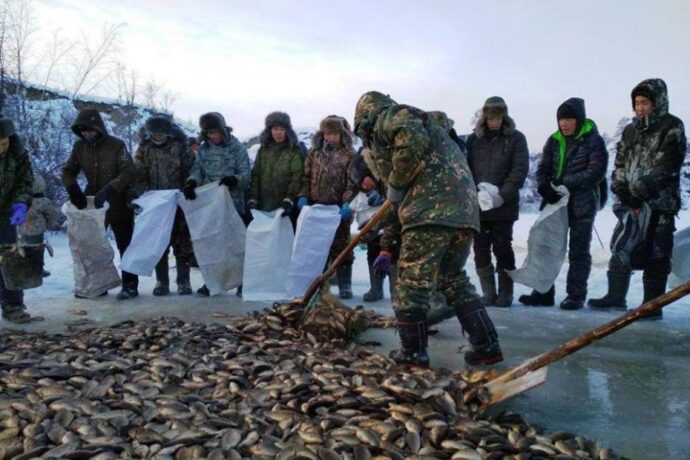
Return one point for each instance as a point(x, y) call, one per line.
point(501, 160)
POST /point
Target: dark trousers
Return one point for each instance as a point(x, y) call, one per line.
point(123, 230)
point(8, 235)
point(180, 240)
point(496, 235)
point(579, 257)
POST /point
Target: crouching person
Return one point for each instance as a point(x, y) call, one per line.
point(429, 183)
point(42, 215)
point(646, 178)
point(164, 160)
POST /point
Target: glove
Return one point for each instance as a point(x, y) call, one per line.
point(550, 195)
point(345, 211)
point(229, 181)
point(76, 196)
point(18, 213)
point(383, 262)
point(374, 198)
point(287, 207)
point(252, 204)
point(395, 195)
point(103, 195)
point(188, 190)
point(558, 181)
point(644, 188)
point(302, 202)
point(634, 202)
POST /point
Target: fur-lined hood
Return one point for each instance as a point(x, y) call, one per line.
point(507, 128)
point(281, 119)
point(334, 123)
point(91, 118)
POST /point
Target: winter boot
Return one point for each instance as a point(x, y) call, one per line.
point(344, 275)
point(128, 292)
point(238, 293)
point(483, 337)
point(572, 303)
point(203, 291)
point(46, 273)
point(15, 313)
point(505, 290)
point(537, 299)
point(653, 288)
point(488, 283)
point(162, 278)
point(413, 338)
point(618, 291)
point(184, 287)
point(376, 291)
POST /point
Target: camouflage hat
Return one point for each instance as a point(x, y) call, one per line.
point(368, 107)
point(6, 128)
point(441, 119)
point(495, 106)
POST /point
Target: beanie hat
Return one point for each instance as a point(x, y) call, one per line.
point(566, 111)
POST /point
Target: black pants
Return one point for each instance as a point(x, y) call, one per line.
point(579, 257)
point(496, 235)
point(123, 230)
point(180, 239)
point(8, 235)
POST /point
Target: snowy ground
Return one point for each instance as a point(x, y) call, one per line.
point(628, 391)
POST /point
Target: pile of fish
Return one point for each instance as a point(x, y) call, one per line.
point(255, 388)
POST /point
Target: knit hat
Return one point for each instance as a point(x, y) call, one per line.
point(495, 106)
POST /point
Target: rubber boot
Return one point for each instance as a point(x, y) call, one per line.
point(504, 299)
point(183, 266)
point(162, 277)
point(15, 313)
point(376, 291)
point(537, 299)
point(487, 280)
point(413, 338)
point(615, 297)
point(483, 337)
point(344, 275)
point(653, 288)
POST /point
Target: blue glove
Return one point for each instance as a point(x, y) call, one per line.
point(18, 214)
point(345, 211)
point(302, 202)
point(383, 263)
point(374, 198)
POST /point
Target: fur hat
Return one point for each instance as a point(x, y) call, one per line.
point(212, 121)
point(6, 128)
point(495, 106)
point(334, 123)
point(159, 124)
point(281, 119)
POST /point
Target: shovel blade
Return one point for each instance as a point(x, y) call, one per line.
point(502, 390)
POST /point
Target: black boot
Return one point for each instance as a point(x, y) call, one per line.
point(162, 277)
point(376, 291)
point(504, 299)
point(129, 291)
point(413, 338)
point(572, 303)
point(653, 288)
point(184, 286)
point(618, 291)
point(487, 280)
point(344, 275)
point(203, 291)
point(15, 313)
point(537, 299)
point(483, 337)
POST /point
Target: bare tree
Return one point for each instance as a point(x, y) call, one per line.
point(95, 60)
point(56, 53)
point(20, 19)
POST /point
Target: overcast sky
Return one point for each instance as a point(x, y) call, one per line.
point(314, 58)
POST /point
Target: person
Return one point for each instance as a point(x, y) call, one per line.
point(109, 172)
point(15, 198)
point(223, 158)
point(646, 175)
point(497, 155)
point(194, 145)
point(574, 156)
point(278, 168)
point(164, 160)
point(41, 216)
point(435, 201)
point(326, 181)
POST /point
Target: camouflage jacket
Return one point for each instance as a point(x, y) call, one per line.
point(42, 215)
point(443, 193)
point(276, 175)
point(652, 150)
point(163, 167)
point(16, 177)
point(326, 179)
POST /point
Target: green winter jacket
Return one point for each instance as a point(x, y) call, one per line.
point(276, 175)
point(16, 177)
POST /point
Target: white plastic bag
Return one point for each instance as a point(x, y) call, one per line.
point(152, 230)
point(218, 236)
point(92, 254)
point(488, 196)
point(316, 228)
point(547, 245)
point(267, 253)
point(363, 212)
point(681, 258)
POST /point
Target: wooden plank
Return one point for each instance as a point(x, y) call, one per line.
point(500, 391)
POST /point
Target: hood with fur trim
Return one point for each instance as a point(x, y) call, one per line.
point(91, 118)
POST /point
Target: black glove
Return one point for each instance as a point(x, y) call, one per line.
point(188, 190)
point(548, 193)
point(645, 188)
point(287, 207)
point(620, 189)
point(229, 181)
point(76, 196)
point(634, 202)
point(557, 182)
point(103, 195)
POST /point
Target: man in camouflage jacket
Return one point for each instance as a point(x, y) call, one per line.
point(646, 174)
point(109, 172)
point(431, 186)
point(164, 160)
point(326, 181)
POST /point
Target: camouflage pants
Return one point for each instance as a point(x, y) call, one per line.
point(433, 257)
point(340, 242)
